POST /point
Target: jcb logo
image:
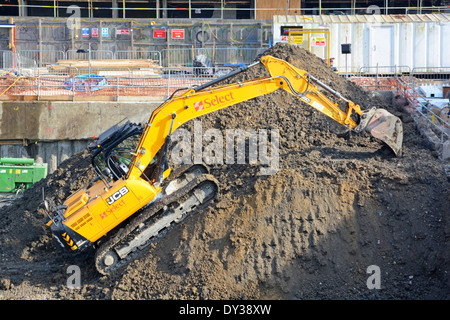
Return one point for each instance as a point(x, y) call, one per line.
point(117, 195)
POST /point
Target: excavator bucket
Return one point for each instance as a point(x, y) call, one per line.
point(384, 126)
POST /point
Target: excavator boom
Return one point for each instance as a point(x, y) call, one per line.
point(208, 98)
point(131, 163)
point(380, 123)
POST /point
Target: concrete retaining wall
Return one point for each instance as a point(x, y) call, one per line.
point(52, 153)
point(64, 120)
point(51, 132)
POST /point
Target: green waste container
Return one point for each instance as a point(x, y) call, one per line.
point(20, 173)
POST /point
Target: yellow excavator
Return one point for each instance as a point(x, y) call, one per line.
point(135, 198)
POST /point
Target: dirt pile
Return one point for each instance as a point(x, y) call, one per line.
point(339, 203)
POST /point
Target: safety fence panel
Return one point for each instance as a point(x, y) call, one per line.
point(9, 60)
point(86, 55)
point(168, 58)
point(160, 82)
point(182, 57)
point(225, 56)
point(384, 71)
point(55, 69)
point(141, 54)
point(79, 84)
point(375, 83)
point(431, 94)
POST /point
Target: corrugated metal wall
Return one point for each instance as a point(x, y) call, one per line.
point(52, 153)
point(400, 40)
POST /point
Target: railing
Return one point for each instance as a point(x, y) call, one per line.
point(22, 62)
point(86, 55)
point(69, 83)
point(218, 56)
point(50, 56)
point(384, 71)
point(138, 54)
point(429, 108)
point(375, 83)
point(379, 77)
point(161, 84)
point(433, 105)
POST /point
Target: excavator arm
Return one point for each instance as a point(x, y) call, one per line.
point(208, 98)
point(378, 122)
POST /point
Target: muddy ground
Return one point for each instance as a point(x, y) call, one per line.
point(339, 203)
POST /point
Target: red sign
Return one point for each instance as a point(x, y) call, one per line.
point(177, 33)
point(159, 33)
point(120, 31)
point(319, 41)
point(95, 32)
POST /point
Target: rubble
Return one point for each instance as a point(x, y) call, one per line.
point(339, 203)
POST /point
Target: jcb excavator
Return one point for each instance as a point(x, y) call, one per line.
point(132, 201)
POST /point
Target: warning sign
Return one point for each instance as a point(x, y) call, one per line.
point(85, 32)
point(95, 32)
point(318, 41)
point(159, 33)
point(297, 39)
point(177, 33)
point(122, 31)
point(294, 39)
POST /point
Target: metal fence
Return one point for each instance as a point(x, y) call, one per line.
point(218, 56)
point(161, 84)
point(39, 56)
point(88, 54)
point(430, 107)
point(430, 110)
point(375, 83)
point(8, 60)
point(174, 57)
point(138, 54)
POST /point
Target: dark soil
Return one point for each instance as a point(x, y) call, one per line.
point(339, 203)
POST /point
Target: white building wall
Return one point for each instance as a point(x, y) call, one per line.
point(416, 41)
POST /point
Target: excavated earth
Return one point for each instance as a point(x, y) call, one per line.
point(339, 204)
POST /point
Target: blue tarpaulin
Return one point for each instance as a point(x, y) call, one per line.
point(86, 82)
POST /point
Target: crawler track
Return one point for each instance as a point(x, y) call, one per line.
point(192, 190)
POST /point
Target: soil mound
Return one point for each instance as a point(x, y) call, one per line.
point(338, 204)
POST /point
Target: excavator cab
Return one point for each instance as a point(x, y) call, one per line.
point(112, 151)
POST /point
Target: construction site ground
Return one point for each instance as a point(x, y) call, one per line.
point(339, 203)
